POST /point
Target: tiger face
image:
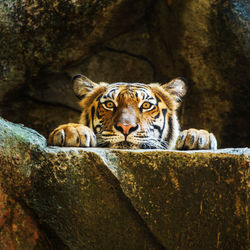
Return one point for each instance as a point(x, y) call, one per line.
point(131, 115)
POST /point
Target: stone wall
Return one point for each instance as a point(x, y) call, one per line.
point(95, 198)
point(44, 43)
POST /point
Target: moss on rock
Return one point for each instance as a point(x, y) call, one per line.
point(99, 198)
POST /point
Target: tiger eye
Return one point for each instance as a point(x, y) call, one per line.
point(109, 104)
point(146, 105)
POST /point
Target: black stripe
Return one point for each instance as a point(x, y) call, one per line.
point(158, 128)
point(150, 98)
point(170, 129)
point(108, 95)
point(136, 95)
point(146, 95)
point(99, 97)
point(98, 109)
point(164, 112)
point(157, 116)
point(87, 120)
point(93, 114)
point(158, 99)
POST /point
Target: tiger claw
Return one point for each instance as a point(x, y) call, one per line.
point(72, 135)
point(58, 138)
point(213, 141)
point(196, 139)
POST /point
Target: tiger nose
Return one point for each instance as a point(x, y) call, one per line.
point(126, 129)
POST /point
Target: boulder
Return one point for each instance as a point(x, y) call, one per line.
point(205, 42)
point(19, 229)
point(49, 35)
point(97, 198)
point(44, 43)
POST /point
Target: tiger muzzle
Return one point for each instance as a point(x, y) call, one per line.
point(126, 121)
point(126, 129)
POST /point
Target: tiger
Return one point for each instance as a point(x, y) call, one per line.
point(130, 116)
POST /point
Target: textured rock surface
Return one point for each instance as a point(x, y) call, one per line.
point(126, 199)
point(45, 42)
point(18, 228)
point(52, 34)
point(202, 46)
point(239, 20)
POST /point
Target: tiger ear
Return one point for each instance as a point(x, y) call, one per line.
point(82, 85)
point(177, 88)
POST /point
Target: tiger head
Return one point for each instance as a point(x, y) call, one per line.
point(131, 115)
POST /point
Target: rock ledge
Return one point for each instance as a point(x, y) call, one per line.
point(99, 198)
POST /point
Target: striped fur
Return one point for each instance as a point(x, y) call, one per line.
point(131, 115)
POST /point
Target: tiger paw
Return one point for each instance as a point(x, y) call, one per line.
point(196, 139)
point(72, 135)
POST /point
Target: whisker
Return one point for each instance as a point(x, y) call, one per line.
point(137, 141)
